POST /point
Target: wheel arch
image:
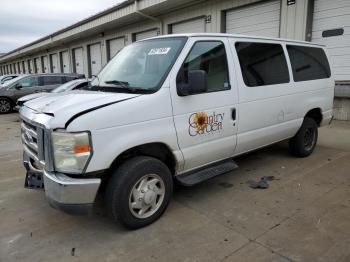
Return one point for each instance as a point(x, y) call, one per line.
point(315, 114)
point(158, 150)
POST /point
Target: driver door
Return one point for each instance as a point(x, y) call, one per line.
point(205, 122)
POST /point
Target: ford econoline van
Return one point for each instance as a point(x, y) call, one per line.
point(173, 108)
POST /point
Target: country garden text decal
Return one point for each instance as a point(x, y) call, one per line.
point(200, 123)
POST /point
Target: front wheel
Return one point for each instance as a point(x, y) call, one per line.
point(304, 142)
point(5, 106)
point(139, 191)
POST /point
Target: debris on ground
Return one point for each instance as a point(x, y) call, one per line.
point(262, 183)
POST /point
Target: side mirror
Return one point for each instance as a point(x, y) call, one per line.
point(18, 86)
point(197, 83)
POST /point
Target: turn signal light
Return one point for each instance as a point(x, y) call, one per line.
point(81, 149)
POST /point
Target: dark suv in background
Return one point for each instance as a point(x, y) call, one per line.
point(23, 85)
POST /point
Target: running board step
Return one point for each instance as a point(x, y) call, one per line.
point(196, 177)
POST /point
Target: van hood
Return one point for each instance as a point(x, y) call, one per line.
point(65, 106)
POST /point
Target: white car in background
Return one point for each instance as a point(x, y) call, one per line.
point(71, 85)
point(6, 78)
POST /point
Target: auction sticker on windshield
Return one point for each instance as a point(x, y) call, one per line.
point(159, 51)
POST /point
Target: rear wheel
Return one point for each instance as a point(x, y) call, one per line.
point(304, 142)
point(5, 105)
point(139, 191)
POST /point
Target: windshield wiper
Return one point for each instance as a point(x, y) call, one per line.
point(119, 83)
point(123, 85)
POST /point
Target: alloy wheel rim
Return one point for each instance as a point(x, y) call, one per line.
point(146, 196)
point(4, 106)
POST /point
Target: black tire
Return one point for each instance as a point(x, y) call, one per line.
point(304, 142)
point(6, 105)
point(121, 184)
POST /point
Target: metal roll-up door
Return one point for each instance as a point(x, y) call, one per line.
point(95, 59)
point(54, 63)
point(26, 68)
point(78, 60)
point(37, 65)
point(262, 19)
point(331, 27)
point(31, 66)
point(45, 64)
point(65, 62)
point(23, 67)
point(114, 45)
point(191, 26)
point(146, 34)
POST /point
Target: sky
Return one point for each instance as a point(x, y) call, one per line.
point(24, 21)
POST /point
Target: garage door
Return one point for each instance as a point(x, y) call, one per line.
point(31, 66)
point(54, 63)
point(23, 68)
point(146, 34)
point(95, 59)
point(45, 62)
point(261, 19)
point(65, 62)
point(37, 65)
point(78, 60)
point(331, 27)
point(25, 65)
point(192, 26)
point(114, 45)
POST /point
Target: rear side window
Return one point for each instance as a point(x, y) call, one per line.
point(52, 80)
point(308, 63)
point(262, 63)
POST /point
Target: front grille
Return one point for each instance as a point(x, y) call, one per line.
point(33, 144)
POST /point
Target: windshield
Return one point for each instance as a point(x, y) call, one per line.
point(141, 66)
point(66, 87)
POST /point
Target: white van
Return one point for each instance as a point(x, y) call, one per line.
point(173, 108)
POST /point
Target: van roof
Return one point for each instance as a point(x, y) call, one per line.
point(239, 36)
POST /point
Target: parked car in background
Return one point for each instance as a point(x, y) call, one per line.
point(69, 86)
point(6, 78)
point(24, 85)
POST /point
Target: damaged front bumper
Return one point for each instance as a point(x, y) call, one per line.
point(71, 195)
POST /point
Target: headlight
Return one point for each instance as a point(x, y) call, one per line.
point(71, 151)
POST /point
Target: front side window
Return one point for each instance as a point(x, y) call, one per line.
point(140, 67)
point(28, 82)
point(308, 63)
point(209, 56)
point(262, 63)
